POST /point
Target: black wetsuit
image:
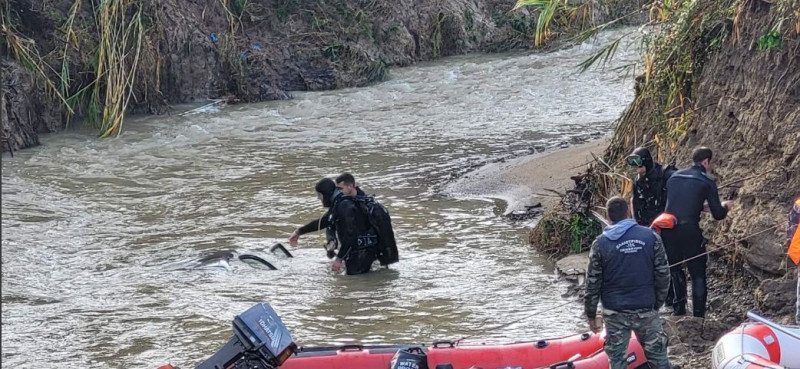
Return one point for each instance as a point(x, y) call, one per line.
point(650, 190)
point(324, 221)
point(357, 239)
point(316, 224)
point(650, 194)
point(687, 190)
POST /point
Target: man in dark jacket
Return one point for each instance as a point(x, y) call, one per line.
point(687, 192)
point(650, 188)
point(628, 271)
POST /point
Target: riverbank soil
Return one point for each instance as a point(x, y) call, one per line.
point(237, 50)
point(725, 75)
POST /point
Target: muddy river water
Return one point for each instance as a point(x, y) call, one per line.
point(89, 226)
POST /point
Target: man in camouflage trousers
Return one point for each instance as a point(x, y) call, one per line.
point(629, 272)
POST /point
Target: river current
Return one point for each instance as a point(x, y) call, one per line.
point(90, 226)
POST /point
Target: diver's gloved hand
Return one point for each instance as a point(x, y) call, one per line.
point(331, 254)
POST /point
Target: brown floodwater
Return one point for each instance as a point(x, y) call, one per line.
point(91, 227)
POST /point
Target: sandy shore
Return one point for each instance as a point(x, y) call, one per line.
point(525, 181)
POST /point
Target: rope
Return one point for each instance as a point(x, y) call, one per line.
point(504, 325)
point(750, 177)
point(723, 246)
point(319, 232)
point(600, 218)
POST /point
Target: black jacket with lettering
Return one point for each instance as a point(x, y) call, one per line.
point(628, 270)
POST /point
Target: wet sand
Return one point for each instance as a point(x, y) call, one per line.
point(527, 181)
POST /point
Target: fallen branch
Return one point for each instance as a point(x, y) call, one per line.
point(555, 192)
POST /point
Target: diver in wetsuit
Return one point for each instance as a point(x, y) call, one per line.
point(650, 188)
point(357, 239)
point(687, 190)
point(324, 186)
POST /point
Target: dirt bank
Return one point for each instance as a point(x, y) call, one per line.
point(233, 49)
point(724, 74)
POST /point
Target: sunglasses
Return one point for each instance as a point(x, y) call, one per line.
point(634, 160)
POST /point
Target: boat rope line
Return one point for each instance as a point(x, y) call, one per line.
point(504, 325)
point(724, 246)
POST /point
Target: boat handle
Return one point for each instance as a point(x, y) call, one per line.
point(351, 348)
point(563, 365)
point(448, 343)
point(772, 325)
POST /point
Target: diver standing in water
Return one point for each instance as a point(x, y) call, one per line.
point(378, 235)
point(356, 238)
point(358, 227)
point(325, 186)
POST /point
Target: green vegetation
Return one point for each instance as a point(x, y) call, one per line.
point(234, 9)
point(560, 12)
point(104, 99)
point(582, 231)
point(683, 35)
point(769, 40)
point(377, 71)
point(117, 60)
point(560, 234)
point(690, 31)
point(331, 51)
point(25, 52)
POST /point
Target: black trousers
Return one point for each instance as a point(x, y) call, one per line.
point(681, 243)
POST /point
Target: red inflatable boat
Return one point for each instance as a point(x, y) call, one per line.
point(585, 351)
point(261, 341)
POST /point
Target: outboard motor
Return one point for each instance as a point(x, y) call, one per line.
point(260, 341)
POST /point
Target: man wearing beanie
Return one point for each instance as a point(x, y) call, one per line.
point(650, 188)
